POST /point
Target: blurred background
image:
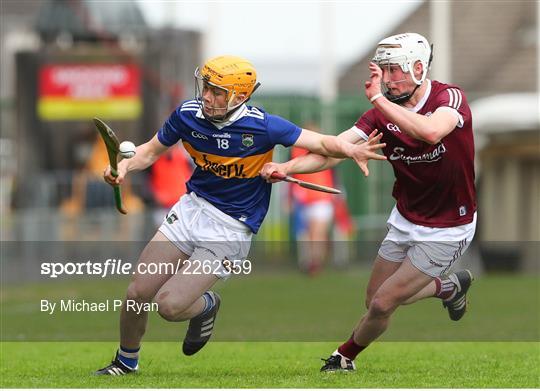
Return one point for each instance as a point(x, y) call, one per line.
point(132, 62)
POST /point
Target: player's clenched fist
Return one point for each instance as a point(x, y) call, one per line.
point(114, 180)
point(271, 167)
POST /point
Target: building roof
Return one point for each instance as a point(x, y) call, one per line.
point(500, 113)
point(491, 54)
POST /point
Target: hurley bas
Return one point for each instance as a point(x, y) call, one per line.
point(72, 305)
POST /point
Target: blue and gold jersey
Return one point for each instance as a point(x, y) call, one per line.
point(229, 155)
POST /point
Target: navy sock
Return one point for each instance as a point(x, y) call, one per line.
point(129, 357)
point(208, 302)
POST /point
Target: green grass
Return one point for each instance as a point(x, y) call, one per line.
point(270, 365)
point(283, 307)
point(269, 334)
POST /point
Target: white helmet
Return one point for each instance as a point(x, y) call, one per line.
point(405, 50)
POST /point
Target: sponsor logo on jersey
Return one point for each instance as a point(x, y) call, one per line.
point(428, 157)
point(462, 210)
point(199, 135)
point(229, 166)
point(223, 170)
point(393, 127)
point(247, 140)
point(222, 135)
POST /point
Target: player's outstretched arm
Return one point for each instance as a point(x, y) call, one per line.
point(343, 147)
point(307, 163)
point(428, 129)
point(322, 146)
point(303, 164)
point(145, 155)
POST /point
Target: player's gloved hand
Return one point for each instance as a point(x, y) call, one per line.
point(271, 167)
point(114, 180)
point(361, 153)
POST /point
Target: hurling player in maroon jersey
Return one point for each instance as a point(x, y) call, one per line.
point(427, 129)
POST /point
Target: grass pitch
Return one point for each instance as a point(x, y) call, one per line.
point(275, 364)
point(269, 335)
point(282, 307)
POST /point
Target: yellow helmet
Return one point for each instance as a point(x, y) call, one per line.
point(236, 75)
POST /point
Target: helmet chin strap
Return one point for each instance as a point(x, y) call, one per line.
point(402, 98)
point(229, 110)
point(221, 118)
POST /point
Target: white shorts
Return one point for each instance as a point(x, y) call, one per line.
point(320, 210)
point(431, 250)
point(203, 232)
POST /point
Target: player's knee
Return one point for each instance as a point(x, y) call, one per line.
point(369, 297)
point(381, 307)
point(168, 310)
point(172, 310)
point(137, 293)
point(367, 302)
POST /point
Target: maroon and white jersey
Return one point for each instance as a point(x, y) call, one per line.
point(434, 184)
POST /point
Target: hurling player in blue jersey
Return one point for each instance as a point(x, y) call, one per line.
point(225, 205)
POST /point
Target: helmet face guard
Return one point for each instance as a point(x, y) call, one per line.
point(393, 62)
point(233, 76)
point(404, 50)
point(218, 114)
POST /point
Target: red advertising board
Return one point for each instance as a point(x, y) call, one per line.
point(82, 91)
